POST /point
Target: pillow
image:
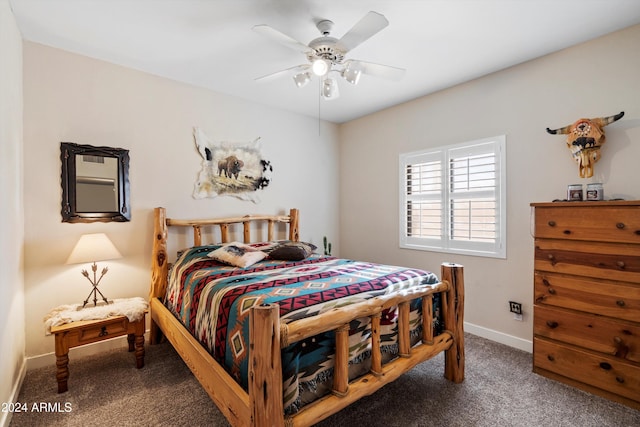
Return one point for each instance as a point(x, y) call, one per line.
point(266, 247)
point(197, 251)
point(238, 255)
point(292, 251)
point(269, 245)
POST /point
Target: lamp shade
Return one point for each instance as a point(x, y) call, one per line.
point(92, 248)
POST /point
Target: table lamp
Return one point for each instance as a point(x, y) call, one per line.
point(93, 248)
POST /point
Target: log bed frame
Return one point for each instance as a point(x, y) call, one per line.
point(262, 404)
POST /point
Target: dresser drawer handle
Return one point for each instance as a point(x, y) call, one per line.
point(552, 324)
point(567, 232)
point(552, 291)
point(103, 332)
point(620, 225)
point(620, 380)
point(552, 223)
point(606, 366)
point(546, 282)
point(550, 357)
point(620, 264)
point(637, 232)
point(620, 303)
point(621, 348)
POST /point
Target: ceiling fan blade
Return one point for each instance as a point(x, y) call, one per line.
point(378, 70)
point(367, 27)
point(281, 38)
point(282, 73)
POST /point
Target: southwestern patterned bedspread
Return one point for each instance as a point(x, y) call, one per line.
point(213, 301)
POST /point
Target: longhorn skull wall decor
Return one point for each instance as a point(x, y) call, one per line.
point(584, 139)
point(230, 169)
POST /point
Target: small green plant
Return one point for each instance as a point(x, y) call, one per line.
point(327, 246)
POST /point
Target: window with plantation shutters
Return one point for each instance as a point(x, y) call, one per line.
point(452, 199)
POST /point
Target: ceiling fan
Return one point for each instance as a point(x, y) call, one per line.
point(326, 55)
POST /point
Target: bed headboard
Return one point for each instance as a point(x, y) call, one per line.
point(159, 258)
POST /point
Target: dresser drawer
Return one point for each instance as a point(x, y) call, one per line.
point(602, 334)
point(591, 259)
point(607, 298)
point(604, 372)
point(583, 221)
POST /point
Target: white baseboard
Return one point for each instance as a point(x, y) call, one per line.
point(500, 337)
point(5, 417)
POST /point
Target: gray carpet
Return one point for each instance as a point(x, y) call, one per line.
point(499, 390)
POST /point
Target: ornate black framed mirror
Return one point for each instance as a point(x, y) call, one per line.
point(95, 183)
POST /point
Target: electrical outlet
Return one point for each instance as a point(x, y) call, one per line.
point(515, 308)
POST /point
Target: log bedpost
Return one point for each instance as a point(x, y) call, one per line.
point(404, 338)
point(376, 352)
point(294, 225)
point(159, 266)
point(224, 233)
point(265, 367)
point(246, 227)
point(341, 366)
point(453, 311)
point(270, 228)
point(197, 235)
point(427, 319)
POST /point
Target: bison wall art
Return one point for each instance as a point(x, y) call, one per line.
point(233, 169)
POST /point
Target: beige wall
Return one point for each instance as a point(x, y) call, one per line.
point(12, 309)
point(68, 97)
point(593, 79)
point(73, 98)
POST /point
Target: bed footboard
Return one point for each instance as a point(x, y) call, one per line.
point(268, 336)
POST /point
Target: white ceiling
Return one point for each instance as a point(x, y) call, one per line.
point(209, 43)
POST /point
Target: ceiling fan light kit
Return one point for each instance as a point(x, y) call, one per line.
point(301, 79)
point(330, 89)
point(351, 74)
point(326, 55)
point(320, 67)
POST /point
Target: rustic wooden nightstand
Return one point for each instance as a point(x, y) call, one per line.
point(83, 332)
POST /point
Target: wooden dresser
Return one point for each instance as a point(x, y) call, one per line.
point(587, 296)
